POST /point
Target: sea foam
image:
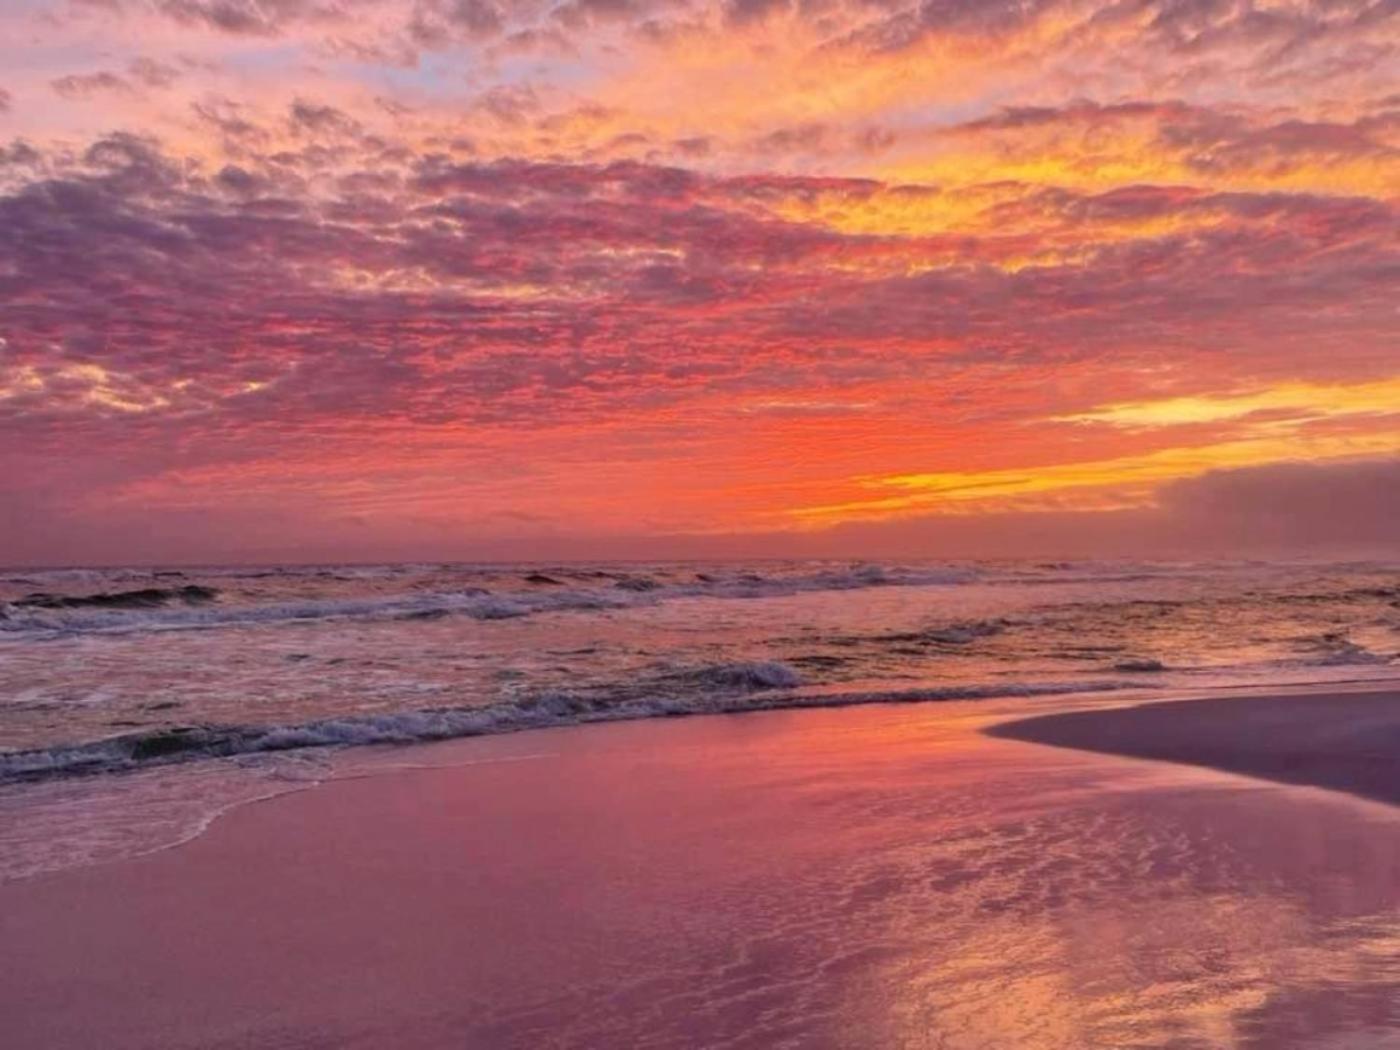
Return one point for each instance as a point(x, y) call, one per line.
point(752, 687)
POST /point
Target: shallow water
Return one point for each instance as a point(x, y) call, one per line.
point(873, 877)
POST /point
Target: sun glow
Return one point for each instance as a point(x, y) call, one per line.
point(1285, 403)
point(1118, 483)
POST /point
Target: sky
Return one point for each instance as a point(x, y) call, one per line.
point(423, 279)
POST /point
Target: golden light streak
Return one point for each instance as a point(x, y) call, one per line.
point(85, 384)
point(1298, 399)
point(1133, 478)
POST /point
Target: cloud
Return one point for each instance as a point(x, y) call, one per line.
point(141, 72)
point(1269, 406)
point(249, 17)
point(694, 265)
point(1322, 509)
point(153, 73)
point(1181, 142)
point(434, 23)
point(74, 86)
point(533, 280)
point(1298, 505)
point(315, 119)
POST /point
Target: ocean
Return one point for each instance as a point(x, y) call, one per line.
point(136, 705)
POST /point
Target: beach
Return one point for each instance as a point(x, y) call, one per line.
point(883, 876)
point(703, 525)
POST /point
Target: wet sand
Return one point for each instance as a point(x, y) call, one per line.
point(1340, 741)
point(864, 878)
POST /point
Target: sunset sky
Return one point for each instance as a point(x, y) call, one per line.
point(318, 279)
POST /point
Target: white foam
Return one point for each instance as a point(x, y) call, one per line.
point(752, 687)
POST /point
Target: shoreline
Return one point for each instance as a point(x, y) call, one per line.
point(192, 743)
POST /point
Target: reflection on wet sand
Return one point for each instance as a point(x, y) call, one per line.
point(1188, 918)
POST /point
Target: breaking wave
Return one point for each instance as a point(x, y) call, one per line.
point(766, 674)
point(1336, 650)
point(754, 687)
point(142, 598)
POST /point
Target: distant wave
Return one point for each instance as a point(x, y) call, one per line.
point(1143, 665)
point(754, 687)
point(949, 634)
point(142, 598)
point(1334, 649)
point(193, 607)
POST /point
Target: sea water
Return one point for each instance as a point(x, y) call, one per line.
point(138, 704)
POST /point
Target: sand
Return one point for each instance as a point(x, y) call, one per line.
point(1340, 741)
point(880, 877)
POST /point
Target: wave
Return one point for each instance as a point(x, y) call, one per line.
point(193, 607)
point(755, 692)
point(1143, 665)
point(142, 598)
point(766, 674)
point(950, 634)
point(474, 602)
point(1336, 650)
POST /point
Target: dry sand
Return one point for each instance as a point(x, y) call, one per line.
point(1342, 741)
